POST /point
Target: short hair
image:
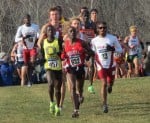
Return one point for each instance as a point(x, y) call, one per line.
point(59, 8)
point(26, 16)
point(101, 22)
point(85, 13)
point(133, 28)
point(94, 10)
point(53, 9)
point(84, 7)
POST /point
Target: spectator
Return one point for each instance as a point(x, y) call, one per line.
point(6, 71)
point(147, 64)
point(2, 54)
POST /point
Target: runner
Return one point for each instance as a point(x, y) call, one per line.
point(82, 9)
point(52, 49)
point(62, 19)
point(93, 19)
point(28, 33)
point(104, 46)
point(87, 29)
point(54, 17)
point(121, 70)
point(133, 43)
point(54, 21)
point(74, 53)
point(17, 57)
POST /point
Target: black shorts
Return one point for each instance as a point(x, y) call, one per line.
point(57, 74)
point(130, 58)
point(79, 71)
point(20, 64)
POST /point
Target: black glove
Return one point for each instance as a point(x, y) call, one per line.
point(27, 36)
point(110, 48)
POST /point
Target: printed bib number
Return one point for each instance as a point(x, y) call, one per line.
point(134, 49)
point(75, 60)
point(30, 39)
point(104, 56)
point(53, 63)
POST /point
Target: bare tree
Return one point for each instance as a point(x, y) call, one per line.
point(119, 14)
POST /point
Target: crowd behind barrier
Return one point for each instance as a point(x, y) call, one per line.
point(9, 75)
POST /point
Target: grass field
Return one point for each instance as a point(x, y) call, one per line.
point(129, 103)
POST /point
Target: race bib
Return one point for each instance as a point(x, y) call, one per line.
point(134, 49)
point(104, 56)
point(52, 63)
point(75, 60)
point(30, 39)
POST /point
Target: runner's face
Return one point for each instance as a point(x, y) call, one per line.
point(72, 33)
point(134, 32)
point(50, 32)
point(85, 15)
point(76, 24)
point(27, 21)
point(54, 16)
point(102, 29)
point(93, 15)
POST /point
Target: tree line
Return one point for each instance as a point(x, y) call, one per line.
point(119, 14)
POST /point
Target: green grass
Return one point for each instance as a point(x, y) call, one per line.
point(129, 103)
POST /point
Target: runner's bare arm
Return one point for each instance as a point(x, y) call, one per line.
point(42, 35)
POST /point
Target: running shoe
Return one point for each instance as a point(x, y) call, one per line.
point(105, 109)
point(75, 114)
point(91, 89)
point(52, 107)
point(29, 84)
point(57, 111)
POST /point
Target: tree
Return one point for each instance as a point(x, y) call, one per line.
point(119, 14)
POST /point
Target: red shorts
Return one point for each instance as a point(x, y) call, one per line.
point(28, 53)
point(120, 61)
point(109, 74)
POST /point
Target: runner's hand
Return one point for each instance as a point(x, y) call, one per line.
point(110, 48)
point(27, 36)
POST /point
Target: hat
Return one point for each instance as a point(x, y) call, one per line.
point(2, 54)
point(133, 28)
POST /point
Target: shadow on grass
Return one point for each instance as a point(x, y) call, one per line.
point(132, 108)
point(126, 109)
